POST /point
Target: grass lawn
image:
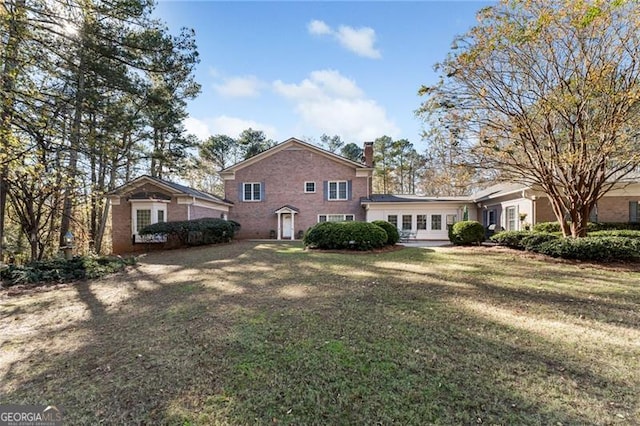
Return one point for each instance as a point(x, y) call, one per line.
point(254, 333)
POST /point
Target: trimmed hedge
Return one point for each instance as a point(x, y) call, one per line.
point(604, 249)
point(345, 235)
point(195, 232)
point(591, 226)
point(512, 239)
point(62, 270)
point(393, 236)
point(627, 233)
point(533, 240)
point(466, 232)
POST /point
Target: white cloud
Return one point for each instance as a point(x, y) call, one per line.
point(360, 41)
point(225, 125)
point(333, 104)
point(239, 87)
point(318, 27)
point(197, 127)
point(233, 126)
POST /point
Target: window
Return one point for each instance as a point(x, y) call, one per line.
point(421, 221)
point(336, 218)
point(406, 222)
point(145, 213)
point(634, 212)
point(451, 219)
point(393, 219)
point(143, 218)
point(309, 187)
point(252, 191)
point(512, 223)
point(338, 190)
point(436, 222)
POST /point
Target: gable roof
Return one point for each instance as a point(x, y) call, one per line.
point(287, 144)
point(175, 189)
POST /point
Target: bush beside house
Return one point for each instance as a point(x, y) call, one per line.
point(466, 232)
point(393, 236)
point(345, 235)
point(195, 232)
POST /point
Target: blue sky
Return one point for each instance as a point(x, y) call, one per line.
point(300, 69)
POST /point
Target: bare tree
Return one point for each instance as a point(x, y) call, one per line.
point(548, 93)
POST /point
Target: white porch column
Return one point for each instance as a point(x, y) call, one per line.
point(293, 235)
point(279, 226)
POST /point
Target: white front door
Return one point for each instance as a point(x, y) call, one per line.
point(286, 226)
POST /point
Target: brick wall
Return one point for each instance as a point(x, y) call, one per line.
point(284, 174)
point(121, 232)
point(610, 209)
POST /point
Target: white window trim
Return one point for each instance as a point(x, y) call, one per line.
point(244, 193)
point(305, 187)
point(154, 206)
point(338, 182)
point(430, 223)
point(426, 222)
point(344, 217)
point(516, 219)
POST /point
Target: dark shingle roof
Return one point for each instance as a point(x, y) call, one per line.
point(179, 188)
point(391, 198)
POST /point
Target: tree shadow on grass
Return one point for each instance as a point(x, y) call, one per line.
point(302, 341)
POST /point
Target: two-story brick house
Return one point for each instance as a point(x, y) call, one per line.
point(284, 190)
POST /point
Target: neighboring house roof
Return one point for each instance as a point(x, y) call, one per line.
point(174, 188)
point(391, 198)
point(498, 190)
point(287, 144)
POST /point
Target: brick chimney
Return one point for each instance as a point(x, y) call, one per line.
point(368, 154)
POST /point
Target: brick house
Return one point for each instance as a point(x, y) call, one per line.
point(285, 190)
point(147, 200)
point(290, 187)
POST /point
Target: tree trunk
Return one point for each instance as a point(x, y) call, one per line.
point(67, 209)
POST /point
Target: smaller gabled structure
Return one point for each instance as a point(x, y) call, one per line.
point(147, 200)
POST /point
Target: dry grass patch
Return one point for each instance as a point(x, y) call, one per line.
point(260, 333)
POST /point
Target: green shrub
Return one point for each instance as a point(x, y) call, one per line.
point(393, 236)
point(605, 249)
point(466, 232)
point(345, 235)
point(591, 226)
point(627, 233)
point(61, 270)
point(195, 232)
point(533, 240)
point(512, 239)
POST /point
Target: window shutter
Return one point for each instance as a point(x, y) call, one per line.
point(633, 211)
point(325, 189)
point(349, 190)
point(262, 192)
point(240, 191)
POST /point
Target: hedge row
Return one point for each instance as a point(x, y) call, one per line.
point(195, 232)
point(61, 270)
point(606, 246)
point(591, 226)
point(345, 235)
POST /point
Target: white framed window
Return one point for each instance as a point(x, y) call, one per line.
point(393, 219)
point(309, 187)
point(436, 222)
point(336, 218)
point(451, 219)
point(252, 191)
point(337, 190)
point(406, 222)
point(145, 213)
point(512, 221)
point(421, 221)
